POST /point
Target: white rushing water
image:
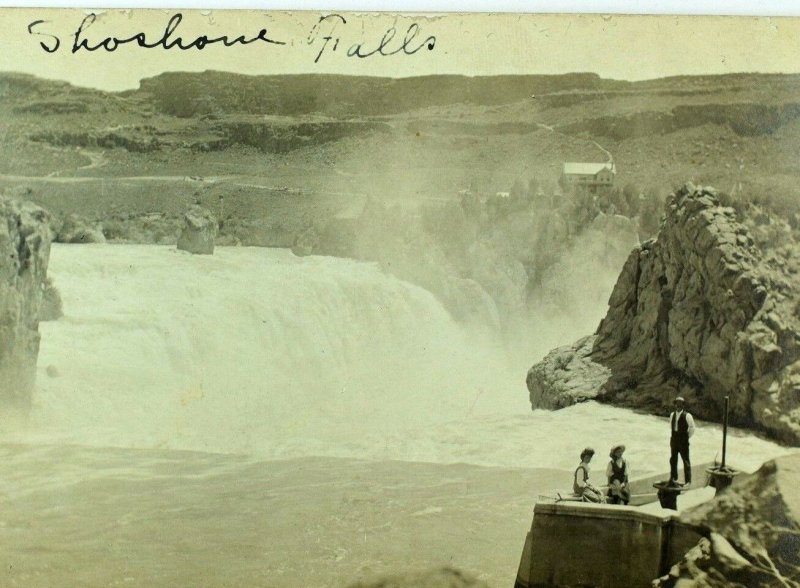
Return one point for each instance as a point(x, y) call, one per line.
point(259, 352)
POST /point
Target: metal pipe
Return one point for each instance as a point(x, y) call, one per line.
point(725, 431)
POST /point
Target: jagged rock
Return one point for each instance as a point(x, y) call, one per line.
point(24, 255)
point(566, 375)
point(77, 229)
point(616, 233)
point(199, 231)
point(699, 311)
point(712, 563)
point(752, 529)
point(441, 578)
point(51, 307)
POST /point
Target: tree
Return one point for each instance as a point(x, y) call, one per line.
point(630, 193)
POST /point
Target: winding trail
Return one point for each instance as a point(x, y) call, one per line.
point(606, 151)
point(595, 143)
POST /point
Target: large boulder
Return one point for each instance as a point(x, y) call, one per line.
point(700, 311)
point(752, 531)
point(566, 375)
point(199, 231)
point(77, 229)
point(24, 255)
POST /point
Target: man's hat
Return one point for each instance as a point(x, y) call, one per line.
point(614, 449)
point(680, 399)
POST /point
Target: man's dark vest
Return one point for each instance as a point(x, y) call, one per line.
point(682, 434)
point(618, 473)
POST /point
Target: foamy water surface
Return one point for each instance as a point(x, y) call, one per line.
point(255, 351)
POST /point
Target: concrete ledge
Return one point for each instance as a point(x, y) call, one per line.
point(604, 511)
point(607, 546)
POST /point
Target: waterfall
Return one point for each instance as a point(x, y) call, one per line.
point(253, 350)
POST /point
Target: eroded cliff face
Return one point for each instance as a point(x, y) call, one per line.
point(24, 254)
point(699, 311)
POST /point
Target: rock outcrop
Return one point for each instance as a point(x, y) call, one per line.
point(744, 119)
point(24, 255)
point(199, 231)
point(700, 311)
point(566, 375)
point(753, 533)
point(76, 229)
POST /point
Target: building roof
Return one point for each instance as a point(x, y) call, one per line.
point(586, 169)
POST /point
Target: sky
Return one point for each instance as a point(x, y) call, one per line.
point(614, 46)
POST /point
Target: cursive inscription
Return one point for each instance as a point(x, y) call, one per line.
point(325, 37)
point(54, 43)
point(324, 34)
point(169, 39)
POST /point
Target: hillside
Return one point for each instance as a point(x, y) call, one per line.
point(360, 134)
point(405, 172)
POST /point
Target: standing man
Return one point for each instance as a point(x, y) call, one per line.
point(682, 428)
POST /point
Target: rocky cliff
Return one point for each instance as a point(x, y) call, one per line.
point(700, 310)
point(186, 94)
point(747, 118)
point(751, 531)
point(24, 254)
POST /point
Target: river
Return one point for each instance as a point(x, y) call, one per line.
point(255, 418)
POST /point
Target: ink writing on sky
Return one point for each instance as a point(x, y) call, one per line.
point(331, 34)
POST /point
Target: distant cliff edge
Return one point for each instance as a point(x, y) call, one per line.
point(24, 255)
point(708, 308)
